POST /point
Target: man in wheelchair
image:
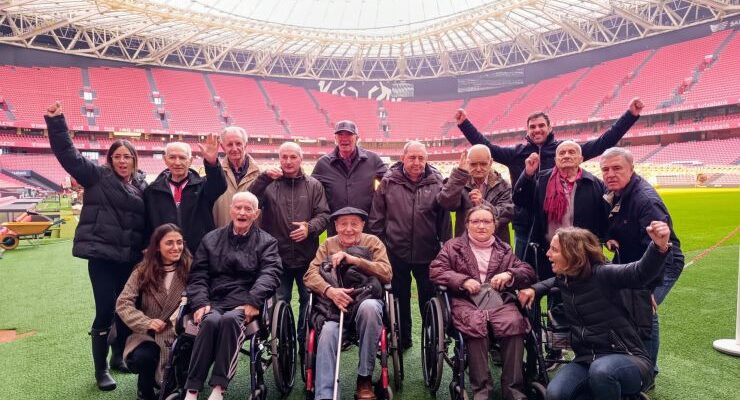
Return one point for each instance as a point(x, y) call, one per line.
point(235, 269)
point(368, 312)
point(480, 272)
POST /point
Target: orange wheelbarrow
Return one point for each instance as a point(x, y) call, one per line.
point(11, 233)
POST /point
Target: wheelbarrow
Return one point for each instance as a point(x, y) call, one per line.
point(32, 229)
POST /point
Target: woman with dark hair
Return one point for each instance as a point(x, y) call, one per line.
point(481, 274)
point(149, 303)
point(110, 232)
point(610, 359)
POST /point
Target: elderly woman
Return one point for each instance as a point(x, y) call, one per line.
point(349, 223)
point(610, 359)
point(469, 265)
point(148, 303)
point(236, 268)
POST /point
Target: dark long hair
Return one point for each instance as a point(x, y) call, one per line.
point(152, 270)
point(125, 143)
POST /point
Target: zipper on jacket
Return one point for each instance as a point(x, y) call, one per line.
point(580, 319)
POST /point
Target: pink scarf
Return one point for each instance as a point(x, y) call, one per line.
point(556, 195)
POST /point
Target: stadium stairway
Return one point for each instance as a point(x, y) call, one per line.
point(274, 107)
point(153, 87)
point(623, 83)
point(318, 107)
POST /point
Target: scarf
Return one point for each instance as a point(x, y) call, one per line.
point(556, 195)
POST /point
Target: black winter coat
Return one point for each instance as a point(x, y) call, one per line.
point(353, 188)
point(288, 200)
point(513, 156)
point(194, 215)
point(599, 323)
point(589, 209)
point(408, 217)
point(112, 223)
point(231, 270)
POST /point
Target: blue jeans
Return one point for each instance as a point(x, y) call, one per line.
point(285, 293)
point(652, 345)
point(607, 378)
point(368, 323)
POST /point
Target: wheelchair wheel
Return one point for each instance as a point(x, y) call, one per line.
point(9, 242)
point(397, 352)
point(175, 396)
point(432, 344)
point(457, 392)
point(283, 342)
point(537, 391)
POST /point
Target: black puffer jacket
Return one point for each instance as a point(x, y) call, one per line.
point(231, 270)
point(408, 217)
point(599, 323)
point(194, 215)
point(287, 200)
point(513, 156)
point(113, 220)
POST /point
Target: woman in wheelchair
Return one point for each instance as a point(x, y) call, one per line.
point(610, 359)
point(349, 223)
point(481, 272)
point(235, 270)
point(149, 301)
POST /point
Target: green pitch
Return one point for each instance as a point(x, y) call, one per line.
point(46, 291)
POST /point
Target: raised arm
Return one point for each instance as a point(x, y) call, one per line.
point(610, 138)
point(502, 155)
point(83, 170)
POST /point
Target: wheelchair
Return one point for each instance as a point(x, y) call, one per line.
point(439, 334)
point(390, 348)
point(271, 344)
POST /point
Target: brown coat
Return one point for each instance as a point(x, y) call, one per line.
point(221, 215)
point(456, 263)
point(379, 266)
point(162, 305)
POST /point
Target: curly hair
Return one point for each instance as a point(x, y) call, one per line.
point(581, 250)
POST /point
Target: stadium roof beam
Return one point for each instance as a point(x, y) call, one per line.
point(483, 37)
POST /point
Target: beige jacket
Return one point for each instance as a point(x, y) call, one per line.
point(163, 305)
point(379, 266)
point(221, 215)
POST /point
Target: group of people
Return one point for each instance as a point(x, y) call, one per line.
point(239, 234)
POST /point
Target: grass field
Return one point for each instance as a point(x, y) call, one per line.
point(46, 291)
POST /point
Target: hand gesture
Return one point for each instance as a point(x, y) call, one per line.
point(531, 164)
point(209, 149)
point(464, 164)
point(300, 233)
point(200, 313)
point(340, 296)
point(250, 312)
point(526, 297)
point(460, 116)
point(476, 197)
point(659, 232)
point(636, 106)
point(54, 109)
point(472, 286)
point(157, 325)
point(612, 245)
point(499, 281)
point(274, 173)
point(337, 258)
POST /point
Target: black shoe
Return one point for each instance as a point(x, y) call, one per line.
point(99, 338)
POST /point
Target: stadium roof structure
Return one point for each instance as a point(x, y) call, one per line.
point(342, 39)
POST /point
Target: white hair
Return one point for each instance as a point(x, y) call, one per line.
point(480, 147)
point(569, 143)
point(291, 146)
point(247, 196)
point(181, 145)
point(410, 143)
point(234, 129)
point(619, 152)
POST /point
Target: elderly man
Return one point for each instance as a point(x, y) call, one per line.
point(349, 172)
point(236, 268)
point(634, 203)
point(295, 213)
point(240, 169)
point(541, 140)
point(180, 196)
point(473, 183)
point(349, 223)
point(408, 216)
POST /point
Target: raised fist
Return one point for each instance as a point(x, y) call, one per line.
point(531, 164)
point(460, 116)
point(636, 106)
point(659, 232)
point(54, 109)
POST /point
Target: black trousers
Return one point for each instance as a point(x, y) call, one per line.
point(401, 284)
point(108, 279)
point(219, 339)
point(144, 360)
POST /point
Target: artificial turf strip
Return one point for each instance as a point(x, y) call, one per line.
point(45, 289)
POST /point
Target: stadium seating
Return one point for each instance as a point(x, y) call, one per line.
point(297, 108)
point(123, 99)
point(419, 119)
point(713, 86)
point(187, 102)
point(713, 152)
point(246, 105)
point(363, 112)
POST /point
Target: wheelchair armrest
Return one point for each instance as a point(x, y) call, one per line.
point(442, 288)
point(387, 287)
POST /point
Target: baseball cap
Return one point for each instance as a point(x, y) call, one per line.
point(345, 126)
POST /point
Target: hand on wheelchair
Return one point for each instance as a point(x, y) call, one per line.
point(250, 313)
point(526, 297)
point(472, 286)
point(199, 313)
point(340, 296)
point(499, 281)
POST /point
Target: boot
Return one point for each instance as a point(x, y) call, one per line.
point(117, 339)
point(100, 359)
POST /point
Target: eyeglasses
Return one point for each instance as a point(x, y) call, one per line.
point(119, 157)
point(480, 222)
